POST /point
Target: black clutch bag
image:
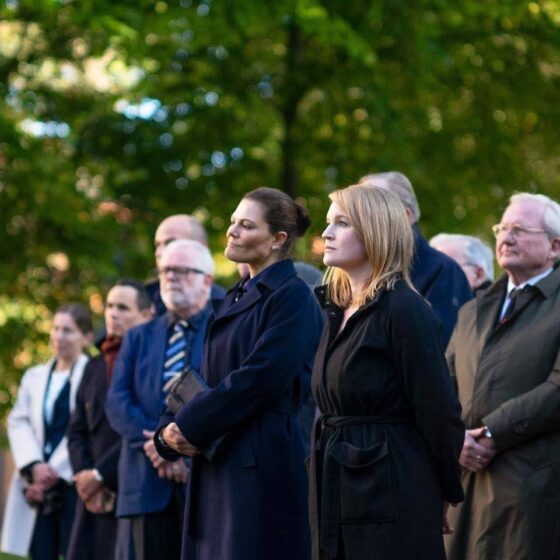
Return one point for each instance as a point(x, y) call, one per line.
point(183, 389)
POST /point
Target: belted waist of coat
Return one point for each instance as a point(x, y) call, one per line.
point(326, 521)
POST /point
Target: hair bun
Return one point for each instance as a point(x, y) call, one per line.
point(303, 219)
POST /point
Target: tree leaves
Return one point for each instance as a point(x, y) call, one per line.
point(118, 113)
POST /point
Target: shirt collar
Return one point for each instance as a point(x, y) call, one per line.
point(194, 321)
point(531, 282)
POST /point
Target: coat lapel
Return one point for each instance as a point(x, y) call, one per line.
point(38, 412)
point(248, 300)
point(525, 297)
point(490, 302)
point(488, 305)
point(77, 375)
point(269, 279)
point(158, 345)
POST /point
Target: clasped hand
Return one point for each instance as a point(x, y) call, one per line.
point(478, 450)
point(176, 471)
point(87, 484)
point(177, 441)
point(43, 477)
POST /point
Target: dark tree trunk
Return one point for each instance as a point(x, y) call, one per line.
point(293, 94)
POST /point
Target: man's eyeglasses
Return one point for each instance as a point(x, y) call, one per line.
point(515, 229)
point(179, 271)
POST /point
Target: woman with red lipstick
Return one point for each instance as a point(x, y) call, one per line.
point(385, 450)
point(40, 506)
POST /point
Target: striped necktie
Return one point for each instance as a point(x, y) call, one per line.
point(176, 353)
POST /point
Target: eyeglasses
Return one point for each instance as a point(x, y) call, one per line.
point(180, 271)
point(515, 229)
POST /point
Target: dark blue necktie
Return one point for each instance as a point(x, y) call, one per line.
point(511, 306)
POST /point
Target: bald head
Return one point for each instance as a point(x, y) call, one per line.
point(178, 226)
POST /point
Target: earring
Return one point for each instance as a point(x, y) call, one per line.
point(275, 247)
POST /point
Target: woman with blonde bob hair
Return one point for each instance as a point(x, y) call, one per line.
point(384, 464)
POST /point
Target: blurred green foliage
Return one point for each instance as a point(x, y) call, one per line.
point(117, 113)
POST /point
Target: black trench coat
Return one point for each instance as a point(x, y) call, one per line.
point(386, 448)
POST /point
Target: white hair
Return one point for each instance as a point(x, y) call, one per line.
point(551, 215)
point(204, 260)
point(477, 252)
point(399, 184)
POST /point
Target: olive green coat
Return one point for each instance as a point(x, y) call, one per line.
point(508, 378)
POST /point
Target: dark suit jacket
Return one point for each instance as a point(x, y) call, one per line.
point(135, 403)
point(252, 504)
point(441, 281)
point(92, 443)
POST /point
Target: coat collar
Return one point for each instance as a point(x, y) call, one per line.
point(549, 284)
point(268, 280)
point(334, 312)
point(489, 302)
point(322, 295)
point(275, 274)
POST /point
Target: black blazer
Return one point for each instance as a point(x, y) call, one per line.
point(92, 443)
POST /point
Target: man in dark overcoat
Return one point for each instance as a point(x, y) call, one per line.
point(436, 276)
point(93, 446)
point(151, 490)
point(505, 354)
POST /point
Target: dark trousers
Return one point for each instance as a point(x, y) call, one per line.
point(93, 536)
point(52, 532)
point(157, 536)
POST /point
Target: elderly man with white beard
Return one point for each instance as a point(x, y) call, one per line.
point(151, 490)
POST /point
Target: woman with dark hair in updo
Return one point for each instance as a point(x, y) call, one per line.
point(251, 503)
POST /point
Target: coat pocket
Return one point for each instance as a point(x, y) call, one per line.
point(367, 483)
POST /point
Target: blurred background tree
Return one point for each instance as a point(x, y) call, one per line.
point(117, 113)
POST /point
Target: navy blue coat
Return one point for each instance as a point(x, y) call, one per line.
point(134, 403)
point(441, 281)
point(251, 505)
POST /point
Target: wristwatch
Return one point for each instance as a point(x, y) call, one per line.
point(161, 440)
point(487, 432)
point(97, 475)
